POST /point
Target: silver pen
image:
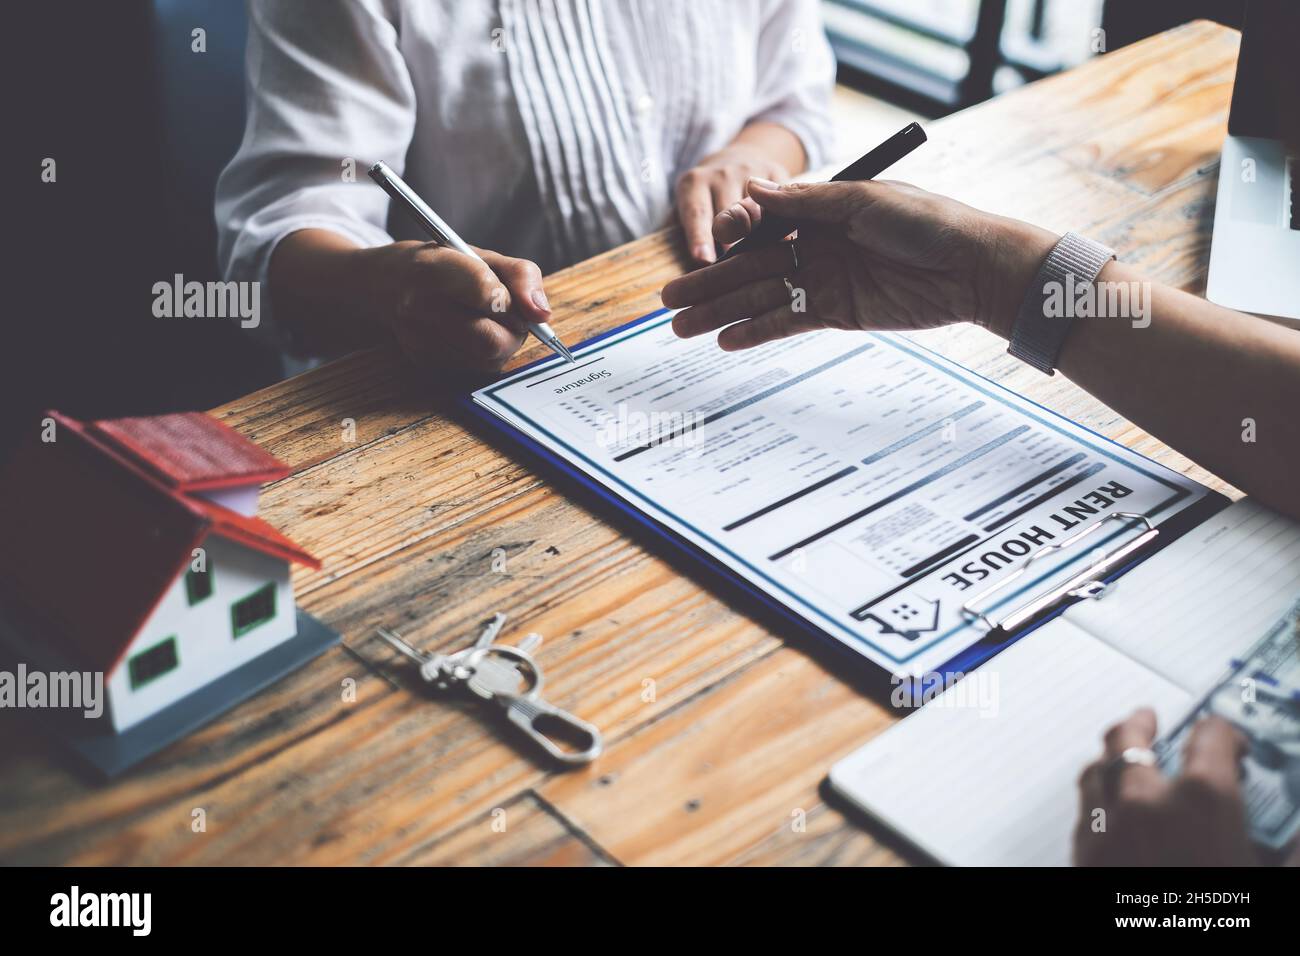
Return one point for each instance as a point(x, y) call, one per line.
point(443, 234)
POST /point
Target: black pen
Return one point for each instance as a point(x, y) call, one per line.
point(772, 229)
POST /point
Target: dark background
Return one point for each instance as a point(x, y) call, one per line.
point(139, 127)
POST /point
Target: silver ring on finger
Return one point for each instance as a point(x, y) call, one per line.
point(794, 255)
point(1129, 757)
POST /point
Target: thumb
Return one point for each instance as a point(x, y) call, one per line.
point(810, 202)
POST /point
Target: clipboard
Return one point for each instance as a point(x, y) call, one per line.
point(1176, 629)
point(1088, 584)
point(703, 567)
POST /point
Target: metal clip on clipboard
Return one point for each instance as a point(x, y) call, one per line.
point(1086, 584)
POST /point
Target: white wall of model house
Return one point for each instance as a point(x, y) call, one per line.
point(206, 645)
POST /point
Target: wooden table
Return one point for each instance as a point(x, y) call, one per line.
point(717, 732)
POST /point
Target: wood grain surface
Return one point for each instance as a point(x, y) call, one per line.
point(718, 732)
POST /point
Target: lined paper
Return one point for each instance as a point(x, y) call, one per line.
point(1204, 600)
point(1001, 790)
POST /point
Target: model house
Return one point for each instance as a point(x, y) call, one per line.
point(132, 547)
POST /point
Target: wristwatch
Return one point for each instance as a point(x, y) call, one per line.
point(1039, 331)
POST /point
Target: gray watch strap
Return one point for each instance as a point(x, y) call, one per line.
point(1036, 337)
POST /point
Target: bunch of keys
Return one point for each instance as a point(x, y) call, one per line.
point(495, 672)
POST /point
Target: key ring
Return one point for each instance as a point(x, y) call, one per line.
point(527, 711)
point(513, 654)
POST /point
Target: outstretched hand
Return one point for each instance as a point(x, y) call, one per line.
point(869, 255)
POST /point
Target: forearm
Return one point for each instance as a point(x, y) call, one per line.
point(325, 291)
point(1221, 387)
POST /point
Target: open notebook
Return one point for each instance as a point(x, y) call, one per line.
point(996, 784)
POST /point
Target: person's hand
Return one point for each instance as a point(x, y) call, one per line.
point(1195, 819)
point(713, 185)
point(445, 308)
point(871, 255)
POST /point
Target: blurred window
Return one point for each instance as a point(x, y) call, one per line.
point(947, 54)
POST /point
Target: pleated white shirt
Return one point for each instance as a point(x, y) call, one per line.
point(546, 129)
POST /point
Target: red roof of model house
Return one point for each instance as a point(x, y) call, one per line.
point(97, 524)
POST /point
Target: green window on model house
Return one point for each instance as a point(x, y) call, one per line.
point(151, 664)
point(198, 585)
point(258, 608)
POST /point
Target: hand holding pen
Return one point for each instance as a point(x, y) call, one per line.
point(868, 256)
point(494, 300)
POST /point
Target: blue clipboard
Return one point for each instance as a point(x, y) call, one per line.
point(857, 669)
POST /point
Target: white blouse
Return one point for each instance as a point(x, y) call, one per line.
point(547, 129)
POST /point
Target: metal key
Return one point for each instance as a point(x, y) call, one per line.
point(526, 709)
point(443, 670)
point(494, 672)
point(490, 631)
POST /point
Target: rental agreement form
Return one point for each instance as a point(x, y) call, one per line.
point(867, 484)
